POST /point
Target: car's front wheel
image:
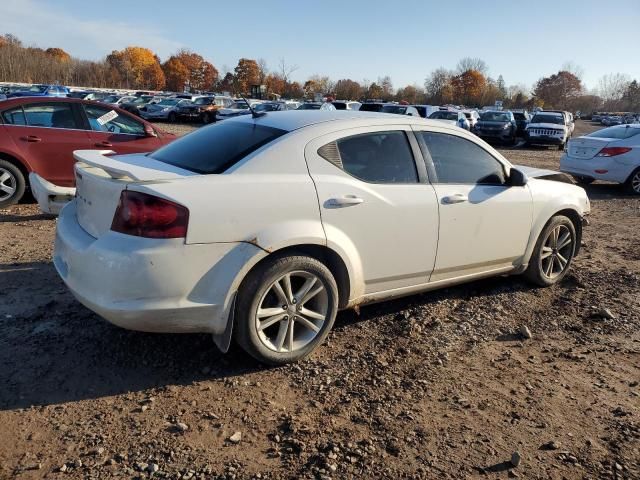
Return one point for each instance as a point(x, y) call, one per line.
point(12, 184)
point(285, 309)
point(633, 183)
point(172, 117)
point(553, 252)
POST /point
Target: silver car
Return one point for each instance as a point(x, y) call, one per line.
point(165, 109)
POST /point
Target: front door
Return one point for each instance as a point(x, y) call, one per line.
point(46, 134)
point(112, 130)
point(376, 203)
point(484, 222)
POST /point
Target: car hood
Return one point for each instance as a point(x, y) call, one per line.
point(544, 174)
point(546, 125)
point(486, 123)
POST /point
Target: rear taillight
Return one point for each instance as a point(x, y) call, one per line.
point(612, 151)
point(144, 215)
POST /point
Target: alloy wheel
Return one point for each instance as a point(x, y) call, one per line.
point(635, 183)
point(292, 312)
point(8, 184)
point(557, 251)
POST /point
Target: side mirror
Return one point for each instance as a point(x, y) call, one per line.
point(517, 178)
point(149, 131)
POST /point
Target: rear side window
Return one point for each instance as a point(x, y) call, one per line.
point(616, 132)
point(215, 148)
point(457, 160)
point(381, 157)
point(51, 115)
point(15, 116)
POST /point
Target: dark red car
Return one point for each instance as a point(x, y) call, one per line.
point(38, 136)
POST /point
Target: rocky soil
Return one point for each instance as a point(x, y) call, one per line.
point(493, 379)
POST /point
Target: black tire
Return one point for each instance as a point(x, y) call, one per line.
point(535, 271)
point(172, 117)
point(254, 290)
point(561, 146)
point(14, 179)
point(632, 185)
point(206, 118)
point(584, 180)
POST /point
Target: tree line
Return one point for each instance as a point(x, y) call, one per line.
point(467, 84)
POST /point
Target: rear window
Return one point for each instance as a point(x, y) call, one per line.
point(371, 107)
point(619, 133)
point(215, 148)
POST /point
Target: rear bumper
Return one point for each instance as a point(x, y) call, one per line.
point(51, 198)
point(578, 167)
point(148, 284)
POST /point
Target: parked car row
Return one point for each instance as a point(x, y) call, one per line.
point(615, 118)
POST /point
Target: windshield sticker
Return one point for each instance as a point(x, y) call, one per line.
point(107, 117)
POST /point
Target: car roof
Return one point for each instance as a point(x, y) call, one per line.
point(295, 119)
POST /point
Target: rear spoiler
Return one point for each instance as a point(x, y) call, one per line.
point(137, 167)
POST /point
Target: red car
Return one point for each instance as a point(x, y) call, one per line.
point(38, 136)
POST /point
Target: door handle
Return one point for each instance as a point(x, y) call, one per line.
point(455, 198)
point(103, 144)
point(344, 201)
point(31, 138)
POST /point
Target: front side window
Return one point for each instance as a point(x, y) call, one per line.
point(119, 124)
point(381, 157)
point(216, 148)
point(460, 161)
point(51, 115)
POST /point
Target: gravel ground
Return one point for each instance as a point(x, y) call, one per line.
point(439, 385)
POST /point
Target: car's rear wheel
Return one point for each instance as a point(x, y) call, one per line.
point(553, 252)
point(12, 184)
point(206, 117)
point(633, 183)
point(285, 309)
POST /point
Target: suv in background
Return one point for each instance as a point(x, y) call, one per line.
point(472, 117)
point(547, 128)
point(452, 117)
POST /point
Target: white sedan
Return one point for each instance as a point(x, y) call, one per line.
point(262, 227)
point(611, 154)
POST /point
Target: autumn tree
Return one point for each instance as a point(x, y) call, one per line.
point(59, 54)
point(347, 89)
point(438, 87)
point(226, 84)
point(246, 74)
point(557, 90)
point(631, 97)
point(611, 88)
point(387, 87)
point(502, 87)
point(469, 87)
point(188, 68)
point(139, 67)
point(469, 63)
point(275, 84)
point(411, 94)
point(374, 91)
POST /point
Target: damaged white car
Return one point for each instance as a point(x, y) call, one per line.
point(262, 227)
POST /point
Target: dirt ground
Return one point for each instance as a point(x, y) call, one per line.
point(439, 385)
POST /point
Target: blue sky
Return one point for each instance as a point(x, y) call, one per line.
point(355, 39)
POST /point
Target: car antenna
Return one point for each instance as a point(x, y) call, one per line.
point(254, 114)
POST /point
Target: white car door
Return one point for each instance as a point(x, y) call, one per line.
point(376, 204)
point(484, 222)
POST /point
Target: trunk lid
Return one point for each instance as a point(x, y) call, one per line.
point(587, 147)
point(100, 179)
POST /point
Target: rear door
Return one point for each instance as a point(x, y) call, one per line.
point(114, 130)
point(484, 222)
point(376, 203)
point(46, 134)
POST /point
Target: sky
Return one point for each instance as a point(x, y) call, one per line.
point(357, 39)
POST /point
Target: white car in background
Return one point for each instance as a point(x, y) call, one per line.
point(547, 128)
point(611, 154)
point(452, 117)
point(346, 105)
point(472, 117)
point(263, 227)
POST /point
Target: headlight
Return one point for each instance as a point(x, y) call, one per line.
point(166, 109)
point(508, 125)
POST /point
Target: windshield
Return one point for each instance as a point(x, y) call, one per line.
point(203, 101)
point(267, 107)
point(394, 109)
point(442, 115)
point(216, 148)
point(618, 133)
point(468, 115)
point(309, 106)
point(37, 88)
point(239, 106)
point(557, 119)
point(169, 102)
point(111, 99)
point(519, 116)
point(494, 117)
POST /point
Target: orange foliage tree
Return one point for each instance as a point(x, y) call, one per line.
point(189, 68)
point(468, 87)
point(247, 73)
point(139, 67)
